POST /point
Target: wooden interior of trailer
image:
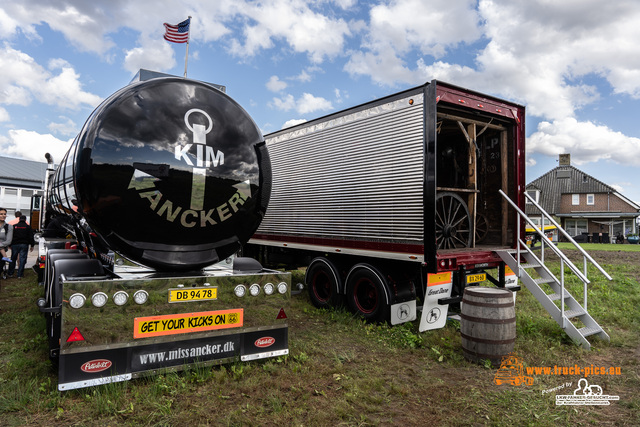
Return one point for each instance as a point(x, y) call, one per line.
point(476, 158)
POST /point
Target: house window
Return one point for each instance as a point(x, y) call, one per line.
point(575, 199)
point(576, 227)
point(591, 199)
point(535, 194)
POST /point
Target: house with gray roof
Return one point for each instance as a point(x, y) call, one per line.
point(587, 208)
point(20, 179)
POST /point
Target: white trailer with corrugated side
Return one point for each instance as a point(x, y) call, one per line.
point(395, 203)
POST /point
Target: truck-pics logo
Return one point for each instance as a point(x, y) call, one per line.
point(264, 342)
point(511, 372)
point(94, 366)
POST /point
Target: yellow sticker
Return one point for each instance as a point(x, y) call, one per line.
point(508, 271)
point(183, 323)
point(439, 279)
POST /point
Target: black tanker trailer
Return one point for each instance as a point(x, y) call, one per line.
point(166, 180)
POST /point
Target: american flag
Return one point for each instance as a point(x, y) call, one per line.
point(177, 33)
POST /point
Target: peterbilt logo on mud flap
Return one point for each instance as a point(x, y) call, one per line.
point(194, 215)
point(264, 342)
point(94, 366)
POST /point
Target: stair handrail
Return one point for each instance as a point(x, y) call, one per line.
point(557, 251)
point(568, 237)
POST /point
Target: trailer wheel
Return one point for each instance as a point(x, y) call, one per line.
point(367, 293)
point(453, 223)
point(324, 283)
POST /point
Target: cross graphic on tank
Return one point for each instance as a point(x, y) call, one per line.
point(205, 157)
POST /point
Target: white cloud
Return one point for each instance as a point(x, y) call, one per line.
point(307, 103)
point(585, 141)
point(398, 28)
point(285, 103)
point(4, 115)
point(276, 85)
point(30, 145)
point(22, 80)
point(66, 127)
point(305, 30)
point(345, 4)
point(292, 122)
point(406, 24)
point(151, 55)
point(83, 24)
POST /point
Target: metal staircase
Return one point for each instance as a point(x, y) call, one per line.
point(549, 289)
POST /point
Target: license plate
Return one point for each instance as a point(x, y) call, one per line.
point(475, 278)
point(193, 294)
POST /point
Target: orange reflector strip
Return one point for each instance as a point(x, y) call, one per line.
point(75, 336)
point(281, 315)
point(438, 279)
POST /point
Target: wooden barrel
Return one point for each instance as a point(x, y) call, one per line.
point(488, 324)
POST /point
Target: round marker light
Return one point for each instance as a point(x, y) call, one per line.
point(269, 288)
point(120, 298)
point(77, 300)
point(240, 291)
point(282, 288)
point(254, 290)
point(140, 297)
point(99, 299)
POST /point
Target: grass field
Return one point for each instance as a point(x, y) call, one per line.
point(341, 371)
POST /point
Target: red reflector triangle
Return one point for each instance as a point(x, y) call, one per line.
point(282, 314)
point(75, 336)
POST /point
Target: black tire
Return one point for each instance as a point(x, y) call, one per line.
point(324, 283)
point(367, 293)
point(453, 223)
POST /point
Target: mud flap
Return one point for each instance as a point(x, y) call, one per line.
point(510, 280)
point(434, 315)
point(403, 312)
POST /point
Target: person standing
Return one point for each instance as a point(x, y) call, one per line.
point(6, 235)
point(16, 220)
point(22, 239)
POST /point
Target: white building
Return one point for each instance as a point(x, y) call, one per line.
point(20, 180)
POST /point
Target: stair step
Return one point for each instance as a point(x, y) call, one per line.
point(586, 331)
point(525, 266)
point(574, 313)
point(556, 297)
point(542, 280)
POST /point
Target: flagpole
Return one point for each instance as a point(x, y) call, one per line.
point(186, 55)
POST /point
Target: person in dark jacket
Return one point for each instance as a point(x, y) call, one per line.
point(22, 239)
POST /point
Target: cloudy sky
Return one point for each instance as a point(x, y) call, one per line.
point(575, 64)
